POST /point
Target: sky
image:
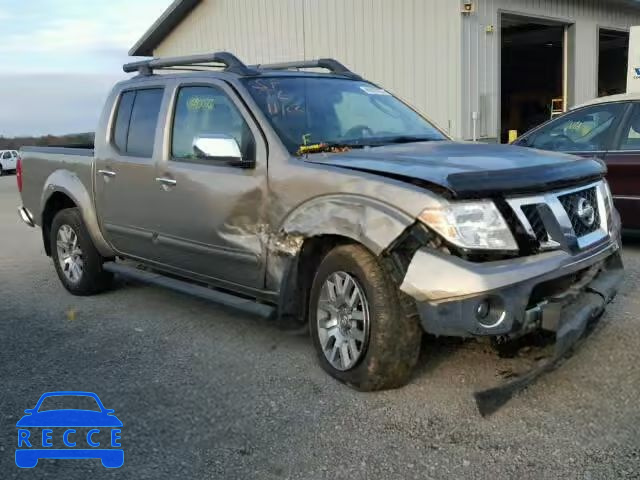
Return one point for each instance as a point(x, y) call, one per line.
point(60, 58)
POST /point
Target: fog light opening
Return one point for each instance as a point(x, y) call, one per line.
point(483, 309)
point(490, 312)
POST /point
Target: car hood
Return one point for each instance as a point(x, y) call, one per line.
point(469, 170)
point(69, 418)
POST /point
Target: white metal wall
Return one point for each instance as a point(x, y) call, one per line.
point(426, 51)
point(410, 47)
point(481, 51)
point(257, 31)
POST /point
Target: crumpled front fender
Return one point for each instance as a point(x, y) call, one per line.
point(370, 222)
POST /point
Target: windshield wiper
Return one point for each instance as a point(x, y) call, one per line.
point(407, 139)
point(328, 147)
point(339, 147)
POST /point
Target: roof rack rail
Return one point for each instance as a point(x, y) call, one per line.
point(330, 64)
point(231, 62)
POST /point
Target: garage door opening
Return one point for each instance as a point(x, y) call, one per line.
point(532, 72)
point(613, 52)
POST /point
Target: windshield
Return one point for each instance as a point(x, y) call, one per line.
point(313, 110)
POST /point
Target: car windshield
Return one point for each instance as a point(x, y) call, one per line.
point(68, 402)
point(333, 111)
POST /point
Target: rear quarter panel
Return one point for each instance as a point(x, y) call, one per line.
point(40, 164)
point(47, 170)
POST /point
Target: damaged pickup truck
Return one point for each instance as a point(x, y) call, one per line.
point(325, 196)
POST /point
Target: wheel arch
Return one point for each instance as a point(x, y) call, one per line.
point(299, 271)
point(63, 189)
point(57, 201)
point(320, 225)
point(371, 222)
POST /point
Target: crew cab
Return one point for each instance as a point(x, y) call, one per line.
point(330, 199)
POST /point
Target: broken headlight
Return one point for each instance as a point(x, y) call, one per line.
point(477, 225)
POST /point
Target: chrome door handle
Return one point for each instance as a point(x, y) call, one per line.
point(166, 181)
point(107, 173)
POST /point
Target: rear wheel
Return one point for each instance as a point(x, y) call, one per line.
point(77, 262)
point(1, 171)
point(362, 333)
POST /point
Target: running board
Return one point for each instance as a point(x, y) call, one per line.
point(217, 296)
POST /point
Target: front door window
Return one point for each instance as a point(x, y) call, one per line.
point(588, 129)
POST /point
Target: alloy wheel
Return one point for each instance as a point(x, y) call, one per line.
point(69, 254)
point(343, 320)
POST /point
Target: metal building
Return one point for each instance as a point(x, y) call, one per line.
point(477, 66)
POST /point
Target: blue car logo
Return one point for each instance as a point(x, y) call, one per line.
point(80, 433)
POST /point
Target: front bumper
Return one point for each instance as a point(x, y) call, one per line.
point(511, 297)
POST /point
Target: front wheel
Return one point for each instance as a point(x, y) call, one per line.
point(362, 333)
point(77, 262)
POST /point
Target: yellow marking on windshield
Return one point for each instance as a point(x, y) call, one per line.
point(321, 147)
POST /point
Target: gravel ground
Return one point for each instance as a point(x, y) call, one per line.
point(209, 392)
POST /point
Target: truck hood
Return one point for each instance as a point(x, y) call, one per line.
point(469, 170)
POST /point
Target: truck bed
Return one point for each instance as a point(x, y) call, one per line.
point(39, 164)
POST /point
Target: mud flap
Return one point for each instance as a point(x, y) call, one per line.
point(577, 319)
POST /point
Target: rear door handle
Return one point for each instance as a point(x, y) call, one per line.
point(107, 173)
point(166, 181)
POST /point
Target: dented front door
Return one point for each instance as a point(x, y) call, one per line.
point(213, 212)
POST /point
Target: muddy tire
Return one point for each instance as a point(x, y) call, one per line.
point(76, 260)
point(365, 331)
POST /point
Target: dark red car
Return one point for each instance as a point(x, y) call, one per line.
point(607, 128)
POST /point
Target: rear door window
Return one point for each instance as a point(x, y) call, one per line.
point(630, 139)
point(136, 122)
point(6, 155)
point(121, 127)
point(144, 120)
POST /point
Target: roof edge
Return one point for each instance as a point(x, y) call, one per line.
point(172, 16)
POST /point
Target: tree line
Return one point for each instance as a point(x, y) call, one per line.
point(74, 139)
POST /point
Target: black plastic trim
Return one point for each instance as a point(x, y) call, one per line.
point(526, 179)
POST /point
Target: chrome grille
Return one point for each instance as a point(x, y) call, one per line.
point(535, 220)
point(570, 202)
point(568, 216)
